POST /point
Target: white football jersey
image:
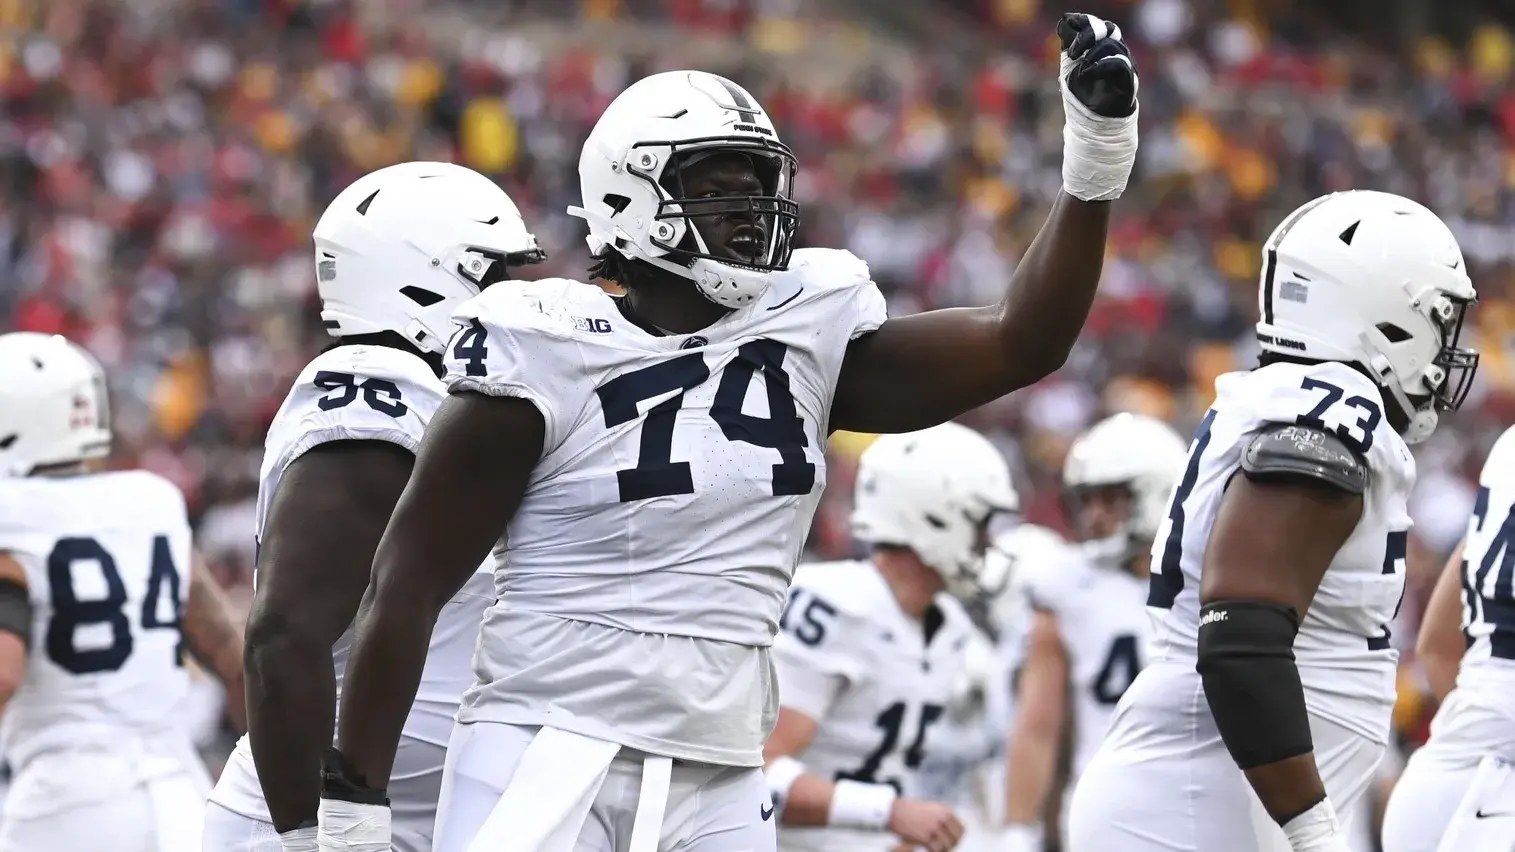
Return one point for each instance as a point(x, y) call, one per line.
point(1488, 564)
point(1342, 651)
point(1103, 624)
point(964, 763)
point(107, 559)
point(650, 556)
point(366, 393)
point(866, 672)
point(1475, 718)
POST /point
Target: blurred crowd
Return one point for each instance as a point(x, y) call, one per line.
point(162, 163)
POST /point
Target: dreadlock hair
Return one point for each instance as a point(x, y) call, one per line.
point(619, 269)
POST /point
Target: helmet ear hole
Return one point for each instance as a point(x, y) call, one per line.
point(1393, 333)
point(421, 296)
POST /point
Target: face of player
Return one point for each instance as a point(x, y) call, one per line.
point(1101, 511)
point(728, 230)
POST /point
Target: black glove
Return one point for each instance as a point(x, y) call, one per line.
point(1103, 76)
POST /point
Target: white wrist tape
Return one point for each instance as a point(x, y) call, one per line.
point(1098, 152)
point(781, 775)
point(299, 840)
point(1020, 838)
point(1315, 830)
point(858, 805)
point(351, 827)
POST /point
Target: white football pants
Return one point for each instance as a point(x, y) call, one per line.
point(1164, 782)
point(89, 800)
point(1439, 773)
point(576, 794)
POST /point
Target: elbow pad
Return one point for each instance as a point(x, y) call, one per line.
point(1246, 661)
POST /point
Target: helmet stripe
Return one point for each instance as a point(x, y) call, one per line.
point(1271, 261)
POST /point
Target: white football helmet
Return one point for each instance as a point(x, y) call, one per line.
point(1026, 547)
point(934, 492)
point(1378, 281)
point(53, 405)
point(1143, 454)
point(401, 247)
point(633, 200)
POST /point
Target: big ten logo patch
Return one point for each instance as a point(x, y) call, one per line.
point(592, 325)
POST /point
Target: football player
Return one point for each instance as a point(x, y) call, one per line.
point(870, 653)
point(395, 253)
point(658, 458)
point(1458, 790)
point(100, 595)
point(1089, 629)
point(1266, 704)
point(1016, 555)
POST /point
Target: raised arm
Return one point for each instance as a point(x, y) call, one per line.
point(918, 371)
point(470, 475)
point(313, 564)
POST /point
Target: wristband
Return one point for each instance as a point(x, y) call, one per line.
point(781, 775)
point(858, 805)
point(1020, 838)
point(1315, 830)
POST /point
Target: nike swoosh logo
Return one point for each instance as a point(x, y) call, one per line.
point(788, 300)
point(1479, 814)
point(766, 812)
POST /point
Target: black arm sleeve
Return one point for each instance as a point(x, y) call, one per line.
point(16, 610)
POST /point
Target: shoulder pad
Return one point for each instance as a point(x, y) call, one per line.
point(837, 267)
point(842, 584)
point(1283, 451)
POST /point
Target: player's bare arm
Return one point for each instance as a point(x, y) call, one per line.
point(921, 370)
point(15, 626)
point(1275, 535)
point(470, 475)
point(1440, 645)
point(1038, 733)
point(213, 637)
point(316, 555)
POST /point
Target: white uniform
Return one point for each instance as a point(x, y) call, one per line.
point(1163, 779)
point(94, 736)
point(963, 766)
point(1104, 628)
point(652, 551)
point(363, 393)
point(1478, 717)
point(984, 819)
point(875, 683)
